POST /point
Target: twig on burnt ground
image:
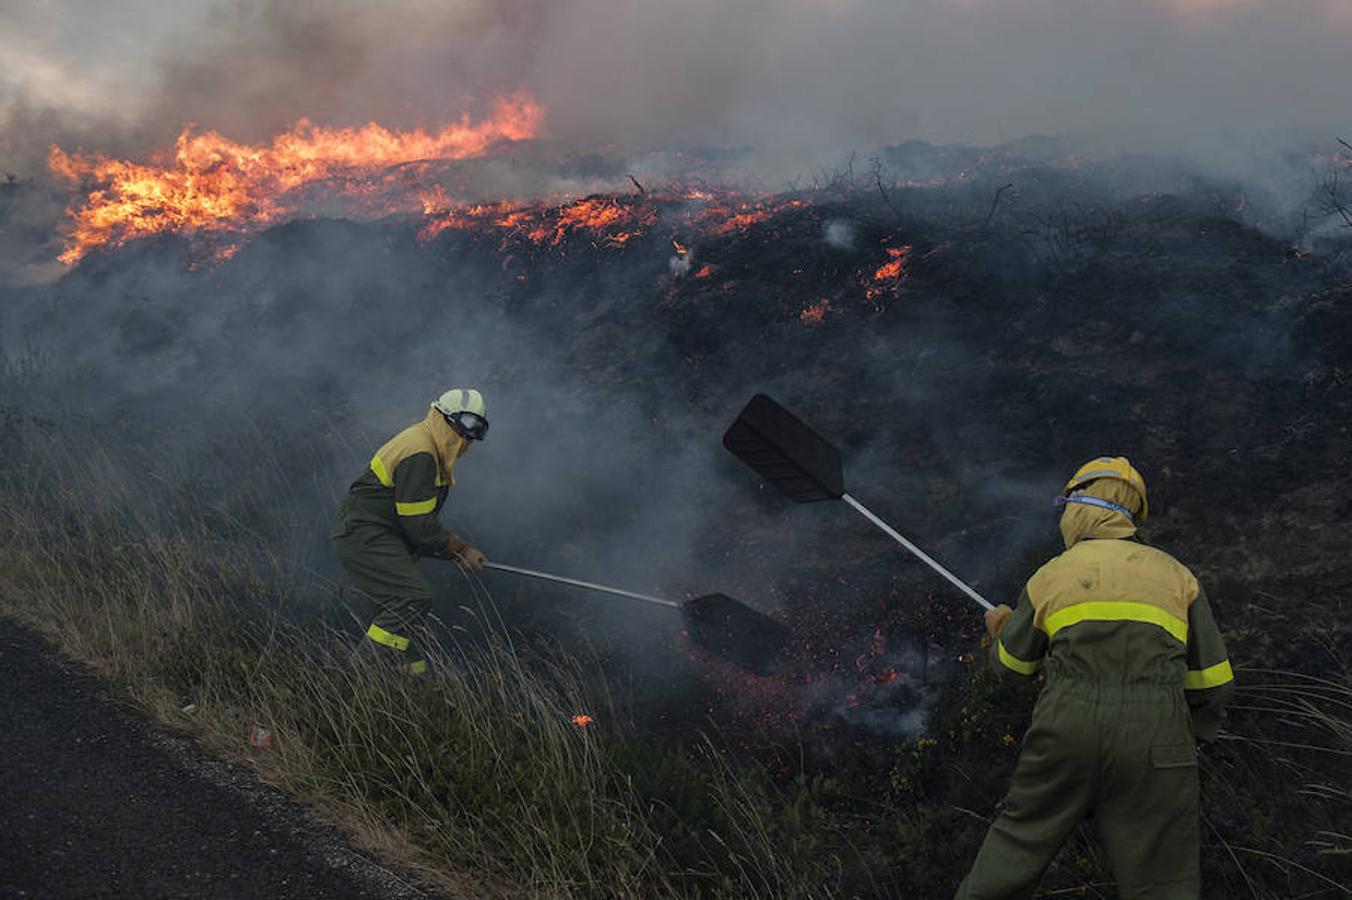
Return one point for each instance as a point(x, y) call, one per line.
point(639, 185)
point(876, 167)
point(1329, 201)
point(840, 180)
point(1330, 198)
point(1335, 202)
point(996, 202)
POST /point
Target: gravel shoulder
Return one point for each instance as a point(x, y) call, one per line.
point(98, 803)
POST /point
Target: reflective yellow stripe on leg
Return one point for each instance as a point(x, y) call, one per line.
point(389, 639)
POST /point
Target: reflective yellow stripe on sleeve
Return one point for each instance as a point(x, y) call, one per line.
point(1211, 676)
point(1014, 664)
point(1116, 611)
point(382, 473)
point(388, 638)
point(417, 668)
point(421, 508)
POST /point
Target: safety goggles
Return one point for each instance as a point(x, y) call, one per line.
point(469, 425)
point(1060, 503)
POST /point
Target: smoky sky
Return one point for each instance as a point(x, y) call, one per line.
point(796, 79)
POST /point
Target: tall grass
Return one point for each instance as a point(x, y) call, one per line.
point(152, 562)
point(476, 773)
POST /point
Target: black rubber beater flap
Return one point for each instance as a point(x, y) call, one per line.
point(786, 452)
point(736, 632)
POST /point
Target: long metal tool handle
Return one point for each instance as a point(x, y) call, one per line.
point(545, 576)
point(924, 557)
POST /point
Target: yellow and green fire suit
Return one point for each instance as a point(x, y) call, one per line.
point(1137, 673)
point(388, 519)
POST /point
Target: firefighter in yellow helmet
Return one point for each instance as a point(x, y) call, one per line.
point(389, 519)
point(1137, 674)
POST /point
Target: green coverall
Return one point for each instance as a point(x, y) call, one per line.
point(1136, 672)
point(388, 520)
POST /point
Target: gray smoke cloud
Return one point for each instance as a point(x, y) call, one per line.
point(800, 80)
point(613, 473)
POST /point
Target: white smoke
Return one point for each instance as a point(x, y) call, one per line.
point(838, 234)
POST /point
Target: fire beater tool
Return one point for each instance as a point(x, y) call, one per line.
point(804, 465)
point(717, 622)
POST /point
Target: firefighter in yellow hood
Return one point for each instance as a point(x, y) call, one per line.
point(389, 519)
point(1137, 674)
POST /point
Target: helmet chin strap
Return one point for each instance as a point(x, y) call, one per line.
point(1099, 502)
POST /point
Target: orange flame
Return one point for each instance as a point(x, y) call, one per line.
point(727, 221)
point(595, 214)
point(895, 267)
point(889, 276)
point(610, 221)
point(213, 184)
point(582, 721)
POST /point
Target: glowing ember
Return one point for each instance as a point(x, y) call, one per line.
point(816, 313)
point(214, 184)
point(609, 220)
point(725, 220)
point(582, 721)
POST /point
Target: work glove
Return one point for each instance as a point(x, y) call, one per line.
point(454, 547)
point(471, 559)
point(458, 551)
point(995, 619)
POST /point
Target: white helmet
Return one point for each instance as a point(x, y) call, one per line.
point(464, 408)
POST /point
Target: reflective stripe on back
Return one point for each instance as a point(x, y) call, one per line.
point(1115, 611)
point(1113, 580)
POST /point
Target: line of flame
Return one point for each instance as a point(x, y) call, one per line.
point(212, 183)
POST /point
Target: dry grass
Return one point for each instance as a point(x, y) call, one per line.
point(474, 774)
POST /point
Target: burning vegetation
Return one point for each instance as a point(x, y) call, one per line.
point(217, 194)
point(213, 187)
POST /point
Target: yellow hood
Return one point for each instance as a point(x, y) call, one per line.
point(1080, 520)
point(448, 444)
